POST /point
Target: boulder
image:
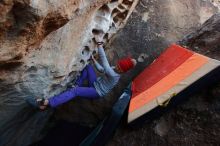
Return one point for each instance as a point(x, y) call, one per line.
point(44, 46)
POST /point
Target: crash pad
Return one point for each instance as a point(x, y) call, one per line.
point(172, 72)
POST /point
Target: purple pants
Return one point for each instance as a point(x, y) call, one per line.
point(89, 92)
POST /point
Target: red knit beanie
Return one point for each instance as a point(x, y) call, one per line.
point(125, 64)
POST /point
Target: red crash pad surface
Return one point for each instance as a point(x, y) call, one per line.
point(174, 70)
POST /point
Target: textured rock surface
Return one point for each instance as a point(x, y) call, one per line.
point(196, 122)
point(45, 43)
point(206, 39)
point(43, 46)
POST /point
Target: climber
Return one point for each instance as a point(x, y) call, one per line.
point(97, 87)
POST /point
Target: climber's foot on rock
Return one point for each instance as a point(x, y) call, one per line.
point(42, 103)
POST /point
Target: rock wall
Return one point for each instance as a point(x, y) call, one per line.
point(205, 39)
point(44, 45)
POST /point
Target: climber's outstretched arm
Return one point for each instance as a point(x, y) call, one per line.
point(97, 65)
point(104, 61)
